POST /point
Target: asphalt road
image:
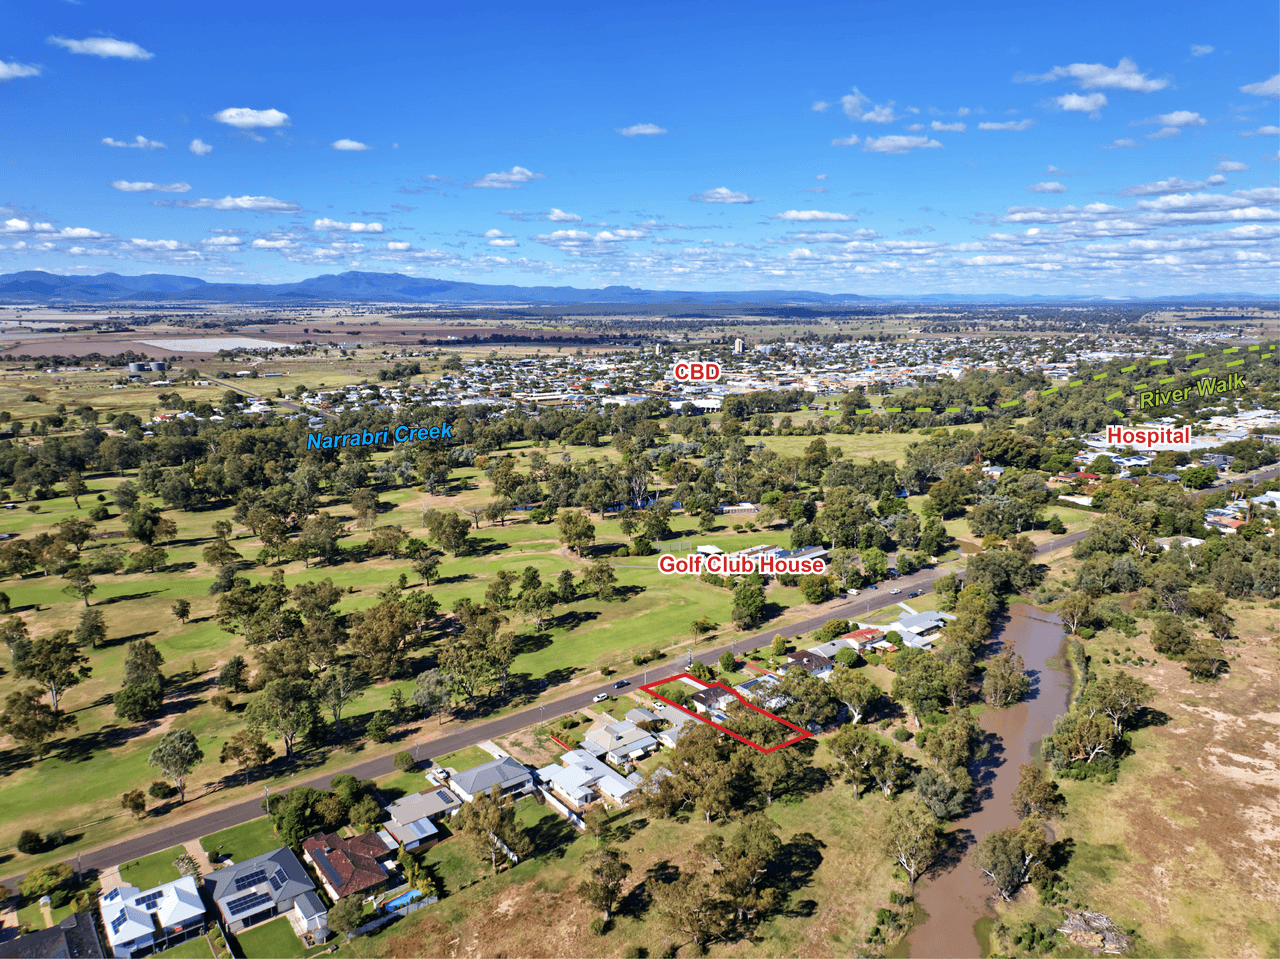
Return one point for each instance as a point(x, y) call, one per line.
point(472, 733)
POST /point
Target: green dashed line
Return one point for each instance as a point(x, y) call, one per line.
point(1116, 394)
point(1200, 373)
point(1196, 356)
point(1235, 362)
point(863, 412)
point(983, 408)
point(1010, 403)
point(1252, 348)
point(1159, 362)
point(1234, 349)
point(924, 409)
point(1100, 376)
point(893, 409)
point(1142, 386)
point(954, 409)
point(1266, 356)
point(1167, 379)
point(1052, 389)
point(1128, 369)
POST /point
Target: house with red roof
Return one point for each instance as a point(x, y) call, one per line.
point(347, 866)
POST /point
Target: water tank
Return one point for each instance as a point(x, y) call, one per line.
point(159, 365)
point(137, 367)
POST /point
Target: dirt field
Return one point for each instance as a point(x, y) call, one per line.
point(1186, 845)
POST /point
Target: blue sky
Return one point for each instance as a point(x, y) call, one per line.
point(1106, 148)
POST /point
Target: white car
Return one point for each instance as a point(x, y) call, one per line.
point(895, 590)
point(854, 592)
point(600, 697)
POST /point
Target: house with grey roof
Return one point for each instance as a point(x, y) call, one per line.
point(505, 773)
point(620, 743)
point(257, 889)
point(73, 938)
point(580, 778)
point(679, 720)
point(413, 818)
point(143, 922)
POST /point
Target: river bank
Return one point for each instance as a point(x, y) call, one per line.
point(957, 898)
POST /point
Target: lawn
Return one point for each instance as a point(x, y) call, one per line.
point(464, 758)
point(242, 842)
point(271, 940)
point(198, 948)
point(151, 871)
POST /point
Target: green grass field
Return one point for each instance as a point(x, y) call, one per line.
point(153, 870)
point(197, 948)
point(466, 758)
point(242, 842)
point(270, 940)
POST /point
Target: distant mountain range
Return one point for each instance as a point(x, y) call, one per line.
point(35, 286)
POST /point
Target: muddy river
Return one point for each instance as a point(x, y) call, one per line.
point(956, 898)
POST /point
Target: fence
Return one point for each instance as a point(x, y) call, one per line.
point(574, 819)
point(683, 546)
point(391, 915)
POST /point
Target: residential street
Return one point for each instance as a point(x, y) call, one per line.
point(470, 734)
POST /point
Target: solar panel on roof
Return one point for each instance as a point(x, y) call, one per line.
point(118, 921)
point(278, 879)
point(327, 866)
point(149, 900)
point(250, 880)
point(247, 903)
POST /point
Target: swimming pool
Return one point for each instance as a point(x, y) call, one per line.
point(403, 900)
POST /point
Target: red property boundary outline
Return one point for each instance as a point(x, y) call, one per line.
point(804, 733)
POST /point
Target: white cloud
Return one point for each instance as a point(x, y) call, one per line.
point(126, 186)
point(200, 148)
point(12, 70)
point(1122, 144)
point(104, 47)
point(819, 106)
point(262, 204)
point(158, 245)
point(560, 216)
point(243, 118)
point(849, 141)
point(273, 244)
point(349, 145)
point(1099, 76)
point(506, 241)
point(1162, 187)
point(812, 216)
point(139, 143)
point(947, 127)
point(963, 112)
point(820, 176)
point(1008, 125)
point(226, 241)
point(579, 242)
point(1090, 103)
point(1231, 166)
point(512, 179)
point(1051, 187)
point(1267, 88)
point(856, 106)
point(1216, 180)
point(398, 247)
point(337, 226)
point(1178, 118)
point(722, 194)
point(899, 144)
point(495, 233)
point(1267, 131)
point(1201, 49)
point(642, 130)
point(1164, 133)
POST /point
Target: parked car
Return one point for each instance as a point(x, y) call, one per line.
point(854, 592)
point(620, 683)
point(918, 592)
point(873, 586)
point(895, 591)
point(600, 697)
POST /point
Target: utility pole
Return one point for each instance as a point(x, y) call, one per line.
point(267, 792)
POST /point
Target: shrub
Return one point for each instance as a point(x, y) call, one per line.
point(58, 898)
point(655, 653)
point(99, 513)
point(160, 790)
point(404, 761)
point(632, 952)
point(55, 839)
point(902, 734)
point(379, 727)
point(222, 701)
point(30, 842)
point(597, 926)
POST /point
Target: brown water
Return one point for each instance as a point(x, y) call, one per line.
point(956, 897)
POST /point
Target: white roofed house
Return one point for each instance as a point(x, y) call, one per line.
point(580, 779)
point(507, 774)
point(145, 922)
point(621, 742)
point(413, 818)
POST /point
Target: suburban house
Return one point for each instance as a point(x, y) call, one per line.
point(412, 822)
point(757, 690)
point(580, 778)
point(1186, 542)
point(74, 937)
point(506, 773)
point(832, 648)
point(143, 922)
point(347, 867)
point(861, 639)
point(271, 884)
point(640, 715)
point(812, 662)
point(712, 699)
point(619, 743)
point(915, 627)
point(679, 720)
